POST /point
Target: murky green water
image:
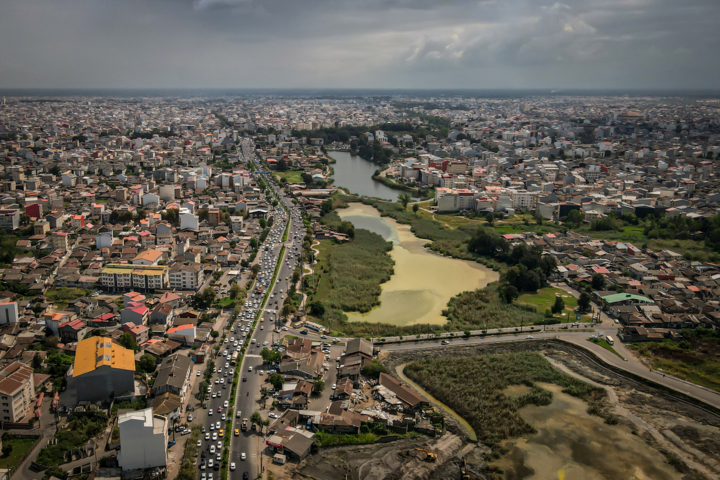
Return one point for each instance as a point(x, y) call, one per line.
point(423, 282)
point(571, 444)
point(355, 174)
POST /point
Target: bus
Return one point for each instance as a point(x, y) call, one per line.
point(233, 359)
point(610, 340)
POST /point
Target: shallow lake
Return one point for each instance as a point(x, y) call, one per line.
point(572, 444)
point(423, 281)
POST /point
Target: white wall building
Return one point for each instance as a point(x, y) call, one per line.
point(8, 313)
point(104, 240)
point(143, 440)
point(188, 221)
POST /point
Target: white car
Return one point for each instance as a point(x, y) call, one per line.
point(232, 466)
point(529, 337)
point(199, 373)
point(242, 456)
point(334, 386)
point(273, 415)
point(225, 404)
point(207, 436)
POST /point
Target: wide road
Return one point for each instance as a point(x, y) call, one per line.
point(251, 442)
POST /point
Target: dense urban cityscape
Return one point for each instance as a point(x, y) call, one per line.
point(249, 286)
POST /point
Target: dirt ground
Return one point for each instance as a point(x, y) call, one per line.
point(389, 461)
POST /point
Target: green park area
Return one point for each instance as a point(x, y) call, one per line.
point(545, 298)
point(14, 449)
point(291, 176)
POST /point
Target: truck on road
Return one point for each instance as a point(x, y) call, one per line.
point(244, 425)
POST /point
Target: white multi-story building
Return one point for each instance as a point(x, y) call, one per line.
point(454, 200)
point(186, 276)
point(188, 221)
point(236, 223)
point(524, 200)
point(17, 392)
point(8, 312)
point(143, 440)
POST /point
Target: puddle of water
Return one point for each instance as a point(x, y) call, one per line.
point(516, 390)
point(423, 282)
point(571, 444)
point(400, 369)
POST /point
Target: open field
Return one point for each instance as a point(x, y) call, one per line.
point(694, 359)
point(290, 176)
point(21, 446)
point(544, 299)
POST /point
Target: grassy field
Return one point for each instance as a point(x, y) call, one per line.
point(226, 302)
point(21, 446)
point(291, 176)
point(544, 299)
point(472, 386)
point(696, 360)
point(481, 309)
point(62, 296)
point(604, 344)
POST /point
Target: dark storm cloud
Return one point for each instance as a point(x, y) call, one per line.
point(360, 43)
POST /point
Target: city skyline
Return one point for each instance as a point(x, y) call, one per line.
point(377, 44)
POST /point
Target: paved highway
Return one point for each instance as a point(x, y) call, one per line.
point(251, 443)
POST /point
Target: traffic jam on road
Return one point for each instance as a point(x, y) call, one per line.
point(263, 300)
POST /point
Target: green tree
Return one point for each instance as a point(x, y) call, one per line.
point(127, 341)
point(37, 362)
point(508, 293)
point(373, 369)
point(234, 291)
point(256, 418)
point(255, 269)
point(404, 199)
point(316, 308)
point(270, 356)
point(416, 207)
point(598, 281)
point(575, 218)
point(318, 385)
point(277, 381)
point(147, 363)
point(288, 309)
point(263, 223)
point(214, 334)
point(558, 306)
point(584, 302)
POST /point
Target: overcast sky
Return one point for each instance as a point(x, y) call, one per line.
point(625, 44)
